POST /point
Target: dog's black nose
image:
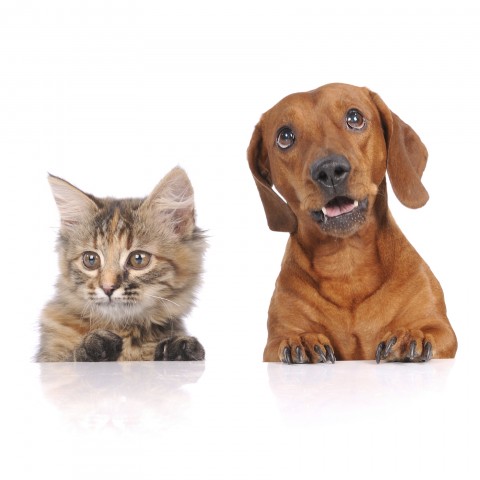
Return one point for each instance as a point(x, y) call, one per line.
point(330, 171)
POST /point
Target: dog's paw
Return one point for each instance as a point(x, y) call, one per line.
point(306, 348)
point(405, 346)
point(99, 346)
point(179, 347)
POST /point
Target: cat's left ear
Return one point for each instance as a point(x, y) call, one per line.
point(72, 203)
point(172, 201)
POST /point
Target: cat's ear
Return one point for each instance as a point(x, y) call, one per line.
point(72, 203)
point(172, 201)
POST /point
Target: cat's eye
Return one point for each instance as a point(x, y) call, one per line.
point(91, 260)
point(138, 260)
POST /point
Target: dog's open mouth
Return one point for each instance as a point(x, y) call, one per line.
point(341, 214)
point(339, 206)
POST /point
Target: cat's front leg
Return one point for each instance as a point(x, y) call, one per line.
point(99, 346)
point(179, 347)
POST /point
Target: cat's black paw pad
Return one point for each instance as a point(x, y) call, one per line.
point(99, 346)
point(179, 348)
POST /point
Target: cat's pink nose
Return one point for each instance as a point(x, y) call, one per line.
point(109, 289)
point(110, 282)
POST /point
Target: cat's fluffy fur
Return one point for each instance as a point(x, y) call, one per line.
point(129, 269)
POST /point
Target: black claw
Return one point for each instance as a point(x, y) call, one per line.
point(413, 346)
point(427, 352)
point(320, 353)
point(287, 356)
point(389, 346)
point(298, 352)
point(379, 352)
point(330, 354)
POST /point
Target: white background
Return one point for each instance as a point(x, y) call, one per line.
point(111, 95)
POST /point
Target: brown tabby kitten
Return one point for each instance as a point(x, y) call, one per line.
point(128, 272)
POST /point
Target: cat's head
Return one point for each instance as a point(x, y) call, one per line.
point(129, 260)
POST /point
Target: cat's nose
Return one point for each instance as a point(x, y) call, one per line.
point(110, 282)
point(109, 289)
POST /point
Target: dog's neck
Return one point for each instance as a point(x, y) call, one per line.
point(358, 265)
point(336, 255)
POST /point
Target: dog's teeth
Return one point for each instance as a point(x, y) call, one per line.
point(324, 210)
point(355, 204)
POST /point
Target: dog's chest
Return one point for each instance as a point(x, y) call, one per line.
point(350, 283)
point(348, 299)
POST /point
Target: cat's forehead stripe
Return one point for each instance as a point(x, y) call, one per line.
point(113, 224)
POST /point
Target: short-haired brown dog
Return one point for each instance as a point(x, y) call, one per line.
point(351, 286)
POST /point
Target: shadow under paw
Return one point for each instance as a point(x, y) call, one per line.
point(179, 348)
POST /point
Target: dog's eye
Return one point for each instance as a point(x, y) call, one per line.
point(285, 138)
point(355, 120)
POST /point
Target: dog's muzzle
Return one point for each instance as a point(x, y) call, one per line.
point(341, 215)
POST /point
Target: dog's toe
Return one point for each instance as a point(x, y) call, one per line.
point(287, 356)
point(384, 349)
point(321, 356)
point(330, 355)
point(427, 352)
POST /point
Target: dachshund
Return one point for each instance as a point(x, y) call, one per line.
point(351, 286)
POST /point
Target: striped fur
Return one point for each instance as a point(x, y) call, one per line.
point(115, 311)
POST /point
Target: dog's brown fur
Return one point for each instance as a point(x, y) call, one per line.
point(357, 289)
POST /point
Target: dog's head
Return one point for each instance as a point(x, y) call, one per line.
point(327, 153)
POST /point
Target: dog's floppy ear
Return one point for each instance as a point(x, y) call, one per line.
point(280, 217)
point(406, 157)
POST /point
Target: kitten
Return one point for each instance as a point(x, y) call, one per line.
point(128, 272)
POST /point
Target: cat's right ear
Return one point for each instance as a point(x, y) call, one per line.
point(72, 203)
point(172, 202)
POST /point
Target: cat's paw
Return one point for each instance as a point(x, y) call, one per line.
point(99, 346)
point(179, 347)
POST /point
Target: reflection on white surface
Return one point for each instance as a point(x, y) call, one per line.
point(239, 420)
point(120, 396)
point(351, 390)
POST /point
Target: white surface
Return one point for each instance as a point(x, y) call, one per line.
point(245, 420)
point(111, 95)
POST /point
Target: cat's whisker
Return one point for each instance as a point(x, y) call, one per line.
point(164, 305)
point(163, 299)
point(87, 312)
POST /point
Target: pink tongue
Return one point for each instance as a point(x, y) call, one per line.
point(336, 210)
